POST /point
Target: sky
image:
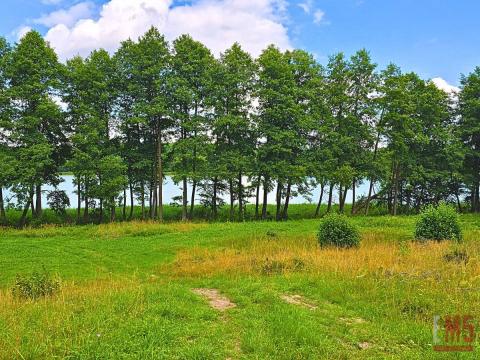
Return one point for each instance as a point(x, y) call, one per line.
point(438, 39)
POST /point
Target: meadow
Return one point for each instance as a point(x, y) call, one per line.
point(126, 290)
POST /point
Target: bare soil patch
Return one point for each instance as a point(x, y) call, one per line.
point(215, 299)
point(298, 300)
point(363, 345)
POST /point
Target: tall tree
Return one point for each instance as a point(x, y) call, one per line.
point(276, 108)
point(469, 132)
point(231, 129)
point(6, 153)
point(190, 86)
point(36, 130)
point(363, 87)
point(90, 95)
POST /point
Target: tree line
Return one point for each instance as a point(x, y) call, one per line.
point(234, 126)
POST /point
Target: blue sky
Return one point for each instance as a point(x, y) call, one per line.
point(436, 38)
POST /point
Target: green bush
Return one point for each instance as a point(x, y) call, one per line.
point(336, 230)
point(438, 223)
point(36, 285)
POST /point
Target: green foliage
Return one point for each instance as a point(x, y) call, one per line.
point(336, 230)
point(222, 126)
point(438, 223)
point(58, 201)
point(36, 285)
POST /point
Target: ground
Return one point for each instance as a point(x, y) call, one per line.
point(254, 290)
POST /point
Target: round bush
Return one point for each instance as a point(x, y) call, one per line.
point(336, 230)
point(438, 223)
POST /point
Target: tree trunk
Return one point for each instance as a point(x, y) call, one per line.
point(38, 200)
point(85, 210)
point(184, 199)
point(124, 210)
point(150, 201)
point(23, 218)
point(130, 216)
point(477, 197)
point(257, 199)
point(232, 201)
point(112, 210)
point(395, 189)
point(79, 199)
point(32, 204)
point(340, 198)
point(160, 174)
point(330, 197)
point(354, 185)
point(344, 199)
point(101, 210)
point(214, 200)
point(287, 201)
point(319, 205)
point(3, 216)
point(279, 200)
point(240, 197)
point(192, 201)
point(265, 198)
point(370, 189)
point(143, 199)
point(472, 199)
point(154, 193)
point(459, 204)
point(194, 168)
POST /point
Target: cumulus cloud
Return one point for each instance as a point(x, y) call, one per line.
point(217, 23)
point(442, 84)
point(68, 17)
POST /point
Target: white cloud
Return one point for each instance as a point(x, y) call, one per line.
point(306, 6)
point(442, 84)
point(68, 17)
point(318, 16)
point(217, 23)
point(21, 31)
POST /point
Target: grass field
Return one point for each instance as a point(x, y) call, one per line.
point(126, 291)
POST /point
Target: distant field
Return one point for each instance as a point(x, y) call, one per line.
point(126, 291)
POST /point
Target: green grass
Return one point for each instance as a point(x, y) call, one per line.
point(174, 213)
point(126, 291)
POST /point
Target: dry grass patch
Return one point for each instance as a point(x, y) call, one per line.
point(376, 255)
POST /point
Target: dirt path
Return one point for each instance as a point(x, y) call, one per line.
point(215, 299)
point(298, 300)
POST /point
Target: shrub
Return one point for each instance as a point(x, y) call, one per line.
point(438, 223)
point(36, 285)
point(336, 230)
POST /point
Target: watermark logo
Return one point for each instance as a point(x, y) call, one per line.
point(454, 333)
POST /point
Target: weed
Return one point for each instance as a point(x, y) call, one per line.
point(457, 256)
point(37, 284)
